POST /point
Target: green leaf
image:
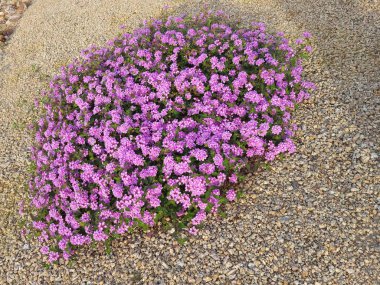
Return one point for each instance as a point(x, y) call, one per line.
point(223, 200)
point(226, 164)
point(181, 225)
point(159, 216)
point(182, 241)
point(141, 225)
point(108, 246)
point(223, 214)
point(46, 265)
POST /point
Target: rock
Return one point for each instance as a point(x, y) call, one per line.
point(180, 264)
point(165, 265)
point(295, 185)
point(14, 18)
point(159, 282)
point(231, 272)
point(21, 7)
point(365, 158)
point(27, 2)
point(284, 219)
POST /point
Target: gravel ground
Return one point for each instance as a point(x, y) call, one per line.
point(312, 219)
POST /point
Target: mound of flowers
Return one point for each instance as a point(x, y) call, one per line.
point(158, 124)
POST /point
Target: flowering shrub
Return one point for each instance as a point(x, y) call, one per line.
point(159, 124)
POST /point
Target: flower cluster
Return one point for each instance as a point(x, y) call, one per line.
point(158, 124)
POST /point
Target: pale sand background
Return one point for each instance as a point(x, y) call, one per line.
point(312, 219)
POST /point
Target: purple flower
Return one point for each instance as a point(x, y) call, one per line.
point(199, 154)
point(276, 130)
point(306, 35)
point(44, 249)
point(176, 117)
point(309, 49)
point(99, 236)
point(196, 185)
point(207, 168)
point(53, 256)
point(193, 231)
point(151, 171)
point(231, 195)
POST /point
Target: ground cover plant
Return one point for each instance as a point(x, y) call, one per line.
point(159, 124)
